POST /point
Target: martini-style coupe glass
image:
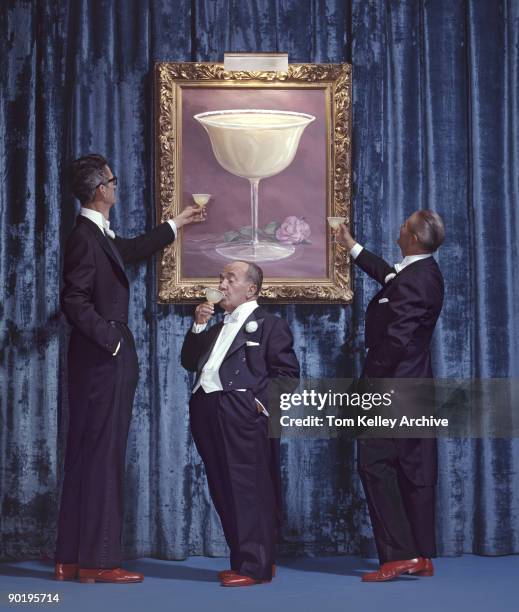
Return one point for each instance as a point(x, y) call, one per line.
point(213, 295)
point(201, 199)
point(335, 223)
point(254, 144)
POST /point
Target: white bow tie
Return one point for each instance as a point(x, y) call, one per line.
point(106, 227)
point(230, 317)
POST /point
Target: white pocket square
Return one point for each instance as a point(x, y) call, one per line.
point(249, 343)
point(383, 301)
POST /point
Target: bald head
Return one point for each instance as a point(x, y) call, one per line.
point(240, 282)
point(254, 275)
point(422, 232)
point(428, 227)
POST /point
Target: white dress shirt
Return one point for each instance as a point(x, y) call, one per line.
point(210, 378)
point(99, 219)
point(408, 260)
point(104, 225)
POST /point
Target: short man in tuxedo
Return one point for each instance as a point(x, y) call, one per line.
point(399, 475)
point(102, 375)
point(234, 361)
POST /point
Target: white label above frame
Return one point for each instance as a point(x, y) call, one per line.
point(255, 62)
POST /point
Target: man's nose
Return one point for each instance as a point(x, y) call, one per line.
point(223, 284)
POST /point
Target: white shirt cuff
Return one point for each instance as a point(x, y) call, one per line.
point(263, 409)
point(117, 349)
point(198, 327)
point(173, 227)
point(355, 250)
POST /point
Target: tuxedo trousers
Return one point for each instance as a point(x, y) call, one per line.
point(232, 440)
point(101, 392)
point(399, 477)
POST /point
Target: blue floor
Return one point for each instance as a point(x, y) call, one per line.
point(327, 584)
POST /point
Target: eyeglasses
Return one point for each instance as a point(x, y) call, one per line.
point(106, 183)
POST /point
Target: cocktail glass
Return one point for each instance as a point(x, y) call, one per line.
point(254, 144)
point(335, 223)
point(201, 199)
point(213, 295)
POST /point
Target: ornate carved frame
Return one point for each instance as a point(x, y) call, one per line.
point(335, 79)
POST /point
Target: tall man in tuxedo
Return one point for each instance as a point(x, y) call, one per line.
point(234, 361)
point(399, 475)
point(102, 375)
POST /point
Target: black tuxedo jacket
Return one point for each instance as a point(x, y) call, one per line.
point(247, 366)
point(401, 317)
point(96, 289)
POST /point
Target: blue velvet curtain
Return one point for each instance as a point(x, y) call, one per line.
point(436, 107)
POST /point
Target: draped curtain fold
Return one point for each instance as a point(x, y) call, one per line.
point(435, 117)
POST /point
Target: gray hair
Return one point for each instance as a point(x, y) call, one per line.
point(255, 275)
point(429, 230)
point(86, 174)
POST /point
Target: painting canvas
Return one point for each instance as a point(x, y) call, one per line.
point(293, 203)
point(297, 194)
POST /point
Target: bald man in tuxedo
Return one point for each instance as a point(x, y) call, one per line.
point(399, 475)
point(235, 361)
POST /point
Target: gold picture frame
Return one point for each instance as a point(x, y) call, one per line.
point(331, 84)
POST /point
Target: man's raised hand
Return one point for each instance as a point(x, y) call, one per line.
point(344, 237)
point(190, 214)
point(204, 312)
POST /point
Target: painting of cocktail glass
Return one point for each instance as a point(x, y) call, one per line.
point(267, 156)
point(261, 154)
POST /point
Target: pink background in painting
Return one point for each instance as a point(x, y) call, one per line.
point(299, 190)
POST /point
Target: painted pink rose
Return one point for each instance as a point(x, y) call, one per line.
point(293, 230)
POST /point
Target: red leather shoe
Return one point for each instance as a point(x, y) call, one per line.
point(393, 569)
point(429, 569)
point(241, 581)
point(65, 571)
point(226, 573)
point(117, 575)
